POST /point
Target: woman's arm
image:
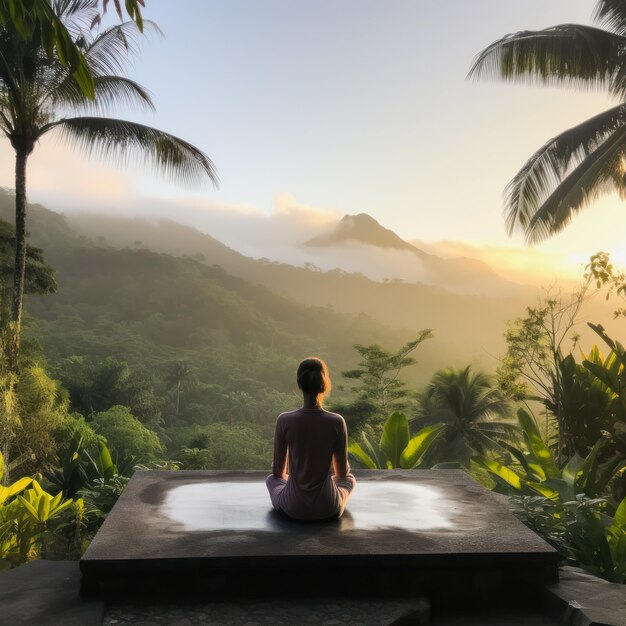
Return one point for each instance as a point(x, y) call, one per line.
point(279, 466)
point(341, 467)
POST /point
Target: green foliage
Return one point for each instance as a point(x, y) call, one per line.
point(196, 459)
point(581, 531)
point(41, 409)
point(532, 366)
point(535, 471)
point(378, 374)
point(241, 446)
point(126, 434)
point(95, 387)
point(26, 513)
point(473, 410)
point(601, 270)
point(36, 21)
point(396, 448)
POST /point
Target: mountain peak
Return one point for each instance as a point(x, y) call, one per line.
point(361, 228)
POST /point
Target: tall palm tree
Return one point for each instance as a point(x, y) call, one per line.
point(39, 95)
point(572, 169)
point(179, 376)
point(472, 410)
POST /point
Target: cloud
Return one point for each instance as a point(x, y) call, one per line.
point(245, 228)
point(59, 177)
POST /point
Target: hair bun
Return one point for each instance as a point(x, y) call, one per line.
point(312, 377)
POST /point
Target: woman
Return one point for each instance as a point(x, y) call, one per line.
point(312, 440)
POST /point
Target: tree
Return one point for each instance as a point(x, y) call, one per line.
point(38, 20)
point(238, 404)
point(96, 387)
point(605, 275)
point(572, 169)
point(39, 279)
point(531, 367)
point(36, 89)
point(378, 374)
point(126, 435)
point(179, 376)
point(473, 411)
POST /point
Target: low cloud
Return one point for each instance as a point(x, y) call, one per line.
point(246, 228)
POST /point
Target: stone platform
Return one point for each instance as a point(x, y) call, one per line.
point(433, 532)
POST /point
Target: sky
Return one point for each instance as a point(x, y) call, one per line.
point(341, 107)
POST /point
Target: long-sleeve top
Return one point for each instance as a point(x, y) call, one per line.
point(311, 443)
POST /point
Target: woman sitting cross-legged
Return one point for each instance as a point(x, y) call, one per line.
point(318, 482)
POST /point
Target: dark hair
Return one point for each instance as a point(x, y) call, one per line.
point(313, 377)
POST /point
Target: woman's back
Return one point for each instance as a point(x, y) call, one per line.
point(312, 436)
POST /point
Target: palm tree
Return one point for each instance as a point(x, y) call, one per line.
point(472, 410)
point(37, 18)
point(38, 96)
point(572, 169)
point(179, 376)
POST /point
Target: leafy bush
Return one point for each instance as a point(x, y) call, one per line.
point(196, 459)
point(396, 448)
point(581, 531)
point(126, 435)
point(26, 513)
point(537, 472)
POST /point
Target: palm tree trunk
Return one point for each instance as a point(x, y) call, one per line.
point(21, 157)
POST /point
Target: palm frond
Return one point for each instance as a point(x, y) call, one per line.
point(110, 92)
point(76, 15)
point(612, 14)
point(499, 429)
point(567, 54)
point(599, 173)
point(110, 51)
point(546, 169)
point(123, 141)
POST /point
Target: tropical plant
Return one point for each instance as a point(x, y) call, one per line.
point(581, 530)
point(26, 511)
point(473, 410)
point(37, 90)
point(378, 374)
point(396, 448)
point(535, 344)
point(533, 470)
point(572, 169)
point(196, 459)
point(592, 408)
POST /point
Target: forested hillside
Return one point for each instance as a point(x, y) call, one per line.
point(468, 328)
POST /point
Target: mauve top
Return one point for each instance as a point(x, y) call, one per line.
point(311, 438)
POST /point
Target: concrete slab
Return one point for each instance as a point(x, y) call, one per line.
point(582, 599)
point(422, 526)
point(46, 593)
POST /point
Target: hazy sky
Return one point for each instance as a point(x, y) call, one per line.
point(348, 106)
